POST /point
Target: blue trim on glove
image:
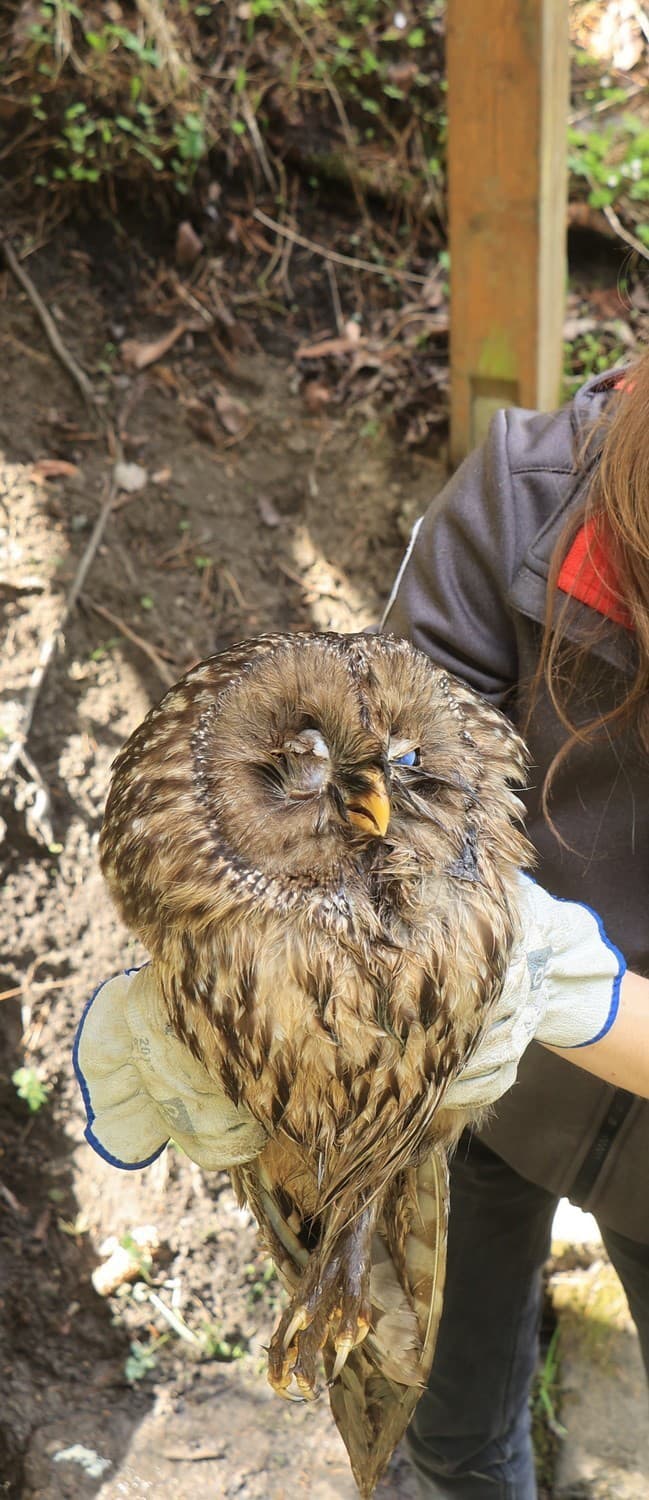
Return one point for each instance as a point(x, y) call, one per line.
point(621, 961)
point(615, 992)
point(113, 1161)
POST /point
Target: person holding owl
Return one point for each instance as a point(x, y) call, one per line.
point(525, 579)
point(529, 578)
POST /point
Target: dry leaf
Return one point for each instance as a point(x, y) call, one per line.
point(165, 376)
point(202, 422)
point(161, 476)
point(53, 468)
point(607, 301)
point(232, 413)
point(138, 354)
point(188, 244)
point(343, 345)
point(316, 395)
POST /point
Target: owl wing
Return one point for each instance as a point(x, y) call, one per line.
point(375, 1395)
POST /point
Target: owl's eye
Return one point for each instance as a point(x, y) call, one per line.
point(402, 752)
point(307, 742)
point(410, 758)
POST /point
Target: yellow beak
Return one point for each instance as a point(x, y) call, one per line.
point(371, 810)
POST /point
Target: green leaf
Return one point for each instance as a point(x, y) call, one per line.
point(29, 1087)
point(601, 197)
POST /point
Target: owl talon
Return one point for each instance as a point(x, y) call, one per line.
point(299, 1320)
point(333, 1308)
point(343, 1350)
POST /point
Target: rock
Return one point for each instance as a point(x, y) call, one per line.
point(130, 477)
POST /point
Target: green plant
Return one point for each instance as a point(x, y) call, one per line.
point(614, 162)
point(141, 1258)
point(141, 1360)
point(114, 100)
point(262, 1284)
point(590, 353)
point(29, 1087)
point(191, 147)
point(103, 650)
point(547, 1389)
point(215, 1346)
point(545, 1398)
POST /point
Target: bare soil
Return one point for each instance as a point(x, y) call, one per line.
point(282, 512)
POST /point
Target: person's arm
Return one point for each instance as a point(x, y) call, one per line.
point(621, 1056)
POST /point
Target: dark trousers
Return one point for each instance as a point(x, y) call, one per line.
point(470, 1436)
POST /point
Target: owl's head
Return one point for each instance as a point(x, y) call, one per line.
point(299, 762)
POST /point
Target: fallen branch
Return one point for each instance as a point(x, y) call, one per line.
point(66, 359)
point(168, 677)
point(335, 255)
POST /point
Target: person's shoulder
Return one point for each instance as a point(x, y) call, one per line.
point(553, 442)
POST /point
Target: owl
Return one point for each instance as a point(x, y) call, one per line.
point(316, 838)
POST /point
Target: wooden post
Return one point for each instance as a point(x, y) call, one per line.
point(507, 67)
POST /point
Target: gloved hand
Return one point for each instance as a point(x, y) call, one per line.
point(141, 1085)
point(562, 988)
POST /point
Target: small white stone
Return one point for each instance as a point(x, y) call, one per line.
point(130, 477)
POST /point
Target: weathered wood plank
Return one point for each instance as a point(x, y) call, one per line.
point(507, 64)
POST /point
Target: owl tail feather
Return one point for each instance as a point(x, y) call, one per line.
point(375, 1395)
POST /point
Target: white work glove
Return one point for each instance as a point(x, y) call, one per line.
point(141, 1085)
point(562, 988)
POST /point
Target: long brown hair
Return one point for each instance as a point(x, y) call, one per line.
point(615, 462)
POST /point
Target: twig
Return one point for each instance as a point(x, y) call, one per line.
point(234, 588)
point(11, 994)
point(48, 984)
point(11, 1199)
point(258, 142)
point(177, 1323)
point(625, 234)
point(335, 255)
point(24, 279)
point(168, 677)
point(603, 105)
point(335, 297)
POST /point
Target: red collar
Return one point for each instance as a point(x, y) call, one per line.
point(588, 574)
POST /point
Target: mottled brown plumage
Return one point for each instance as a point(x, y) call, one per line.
point(333, 973)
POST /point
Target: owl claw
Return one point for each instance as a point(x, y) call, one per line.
point(343, 1350)
point(333, 1307)
point(299, 1321)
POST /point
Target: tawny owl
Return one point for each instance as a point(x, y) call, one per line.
point(316, 839)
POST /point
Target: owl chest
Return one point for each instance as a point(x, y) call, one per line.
point(327, 1051)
